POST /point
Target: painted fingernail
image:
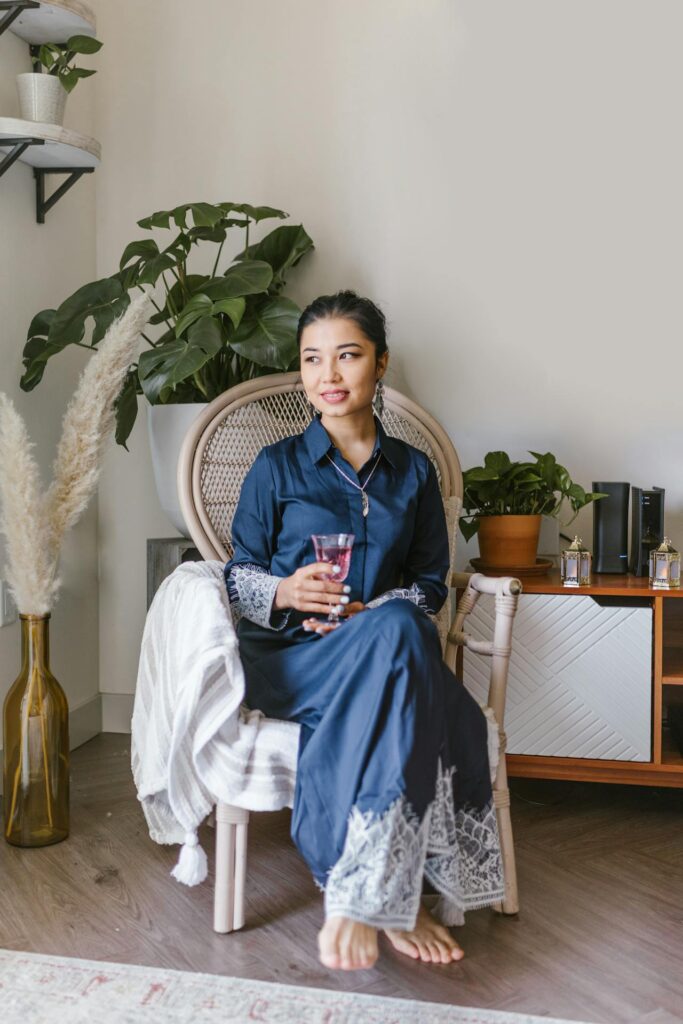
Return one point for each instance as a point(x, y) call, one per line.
point(344, 599)
point(307, 629)
point(336, 569)
point(347, 589)
point(339, 609)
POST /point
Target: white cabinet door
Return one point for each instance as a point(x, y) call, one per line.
point(580, 682)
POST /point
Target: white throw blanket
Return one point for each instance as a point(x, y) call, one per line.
point(193, 741)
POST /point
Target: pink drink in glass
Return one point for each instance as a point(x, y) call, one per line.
point(334, 548)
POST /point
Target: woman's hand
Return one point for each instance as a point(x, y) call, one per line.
point(306, 593)
point(322, 628)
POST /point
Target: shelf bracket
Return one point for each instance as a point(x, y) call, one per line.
point(19, 145)
point(43, 205)
point(13, 8)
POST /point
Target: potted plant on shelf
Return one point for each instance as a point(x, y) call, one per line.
point(42, 96)
point(209, 332)
point(503, 502)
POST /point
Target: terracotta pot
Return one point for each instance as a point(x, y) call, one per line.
point(509, 541)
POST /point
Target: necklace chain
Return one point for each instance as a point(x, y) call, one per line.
point(359, 487)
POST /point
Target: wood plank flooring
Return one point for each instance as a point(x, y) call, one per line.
point(599, 937)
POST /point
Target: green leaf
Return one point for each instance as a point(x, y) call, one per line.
point(92, 300)
point(177, 360)
point(198, 306)
point(233, 309)
point(255, 213)
point(37, 350)
point(156, 220)
point(106, 317)
point(282, 249)
point(498, 462)
point(248, 278)
point(268, 335)
point(469, 528)
point(145, 248)
point(205, 215)
point(155, 267)
point(127, 407)
point(69, 80)
point(83, 44)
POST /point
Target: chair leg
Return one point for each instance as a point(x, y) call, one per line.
point(501, 799)
point(231, 862)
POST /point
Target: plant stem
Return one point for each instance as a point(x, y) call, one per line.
point(215, 266)
point(169, 300)
point(199, 383)
point(157, 307)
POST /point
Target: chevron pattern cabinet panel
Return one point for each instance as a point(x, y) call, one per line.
point(580, 682)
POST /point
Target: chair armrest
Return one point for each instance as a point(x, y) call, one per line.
point(508, 585)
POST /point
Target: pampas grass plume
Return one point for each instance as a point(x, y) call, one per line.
point(33, 522)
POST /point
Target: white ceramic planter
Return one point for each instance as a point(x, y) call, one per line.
point(41, 98)
point(167, 426)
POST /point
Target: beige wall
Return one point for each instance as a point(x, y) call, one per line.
point(504, 178)
point(39, 266)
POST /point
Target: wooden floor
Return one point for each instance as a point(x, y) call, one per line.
point(599, 938)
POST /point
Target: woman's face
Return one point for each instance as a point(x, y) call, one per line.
point(338, 366)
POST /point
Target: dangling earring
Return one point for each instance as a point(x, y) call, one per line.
point(379, 398)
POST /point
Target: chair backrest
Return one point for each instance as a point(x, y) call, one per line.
point(224, 440)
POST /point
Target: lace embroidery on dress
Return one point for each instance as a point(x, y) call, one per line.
point(463, 860)
point(377, 878)
point(413, 593)
point(251, 591)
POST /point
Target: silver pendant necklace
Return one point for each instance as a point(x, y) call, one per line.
point(365, 501)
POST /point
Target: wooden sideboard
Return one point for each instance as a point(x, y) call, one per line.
point(661, 679)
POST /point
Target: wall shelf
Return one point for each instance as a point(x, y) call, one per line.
point(49, 149)
point(36, 22)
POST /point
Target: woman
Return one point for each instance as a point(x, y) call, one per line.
point(393, 783)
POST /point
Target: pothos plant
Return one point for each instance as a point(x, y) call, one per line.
point(503, 487)
point(214, 330)
point(57, 59)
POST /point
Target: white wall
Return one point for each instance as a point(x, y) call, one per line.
point(504, 178)
point(39, 266)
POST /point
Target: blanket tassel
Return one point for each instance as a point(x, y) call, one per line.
point(192, 866)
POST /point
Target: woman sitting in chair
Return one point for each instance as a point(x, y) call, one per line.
point(393, 786)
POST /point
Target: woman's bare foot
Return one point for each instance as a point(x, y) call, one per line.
point(347, 945)
point(429, 941)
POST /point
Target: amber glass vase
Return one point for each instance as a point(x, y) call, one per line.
point(36, 745)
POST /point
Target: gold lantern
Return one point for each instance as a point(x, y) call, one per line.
point(665, 566)
point(575, 565)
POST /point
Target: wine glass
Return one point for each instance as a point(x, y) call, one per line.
point(335, 548)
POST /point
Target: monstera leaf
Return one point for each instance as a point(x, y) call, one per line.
point(210, 330)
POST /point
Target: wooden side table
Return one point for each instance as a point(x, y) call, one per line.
point(164, 554)
point(626, 665)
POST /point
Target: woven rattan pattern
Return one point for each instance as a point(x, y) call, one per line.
point(239, 437)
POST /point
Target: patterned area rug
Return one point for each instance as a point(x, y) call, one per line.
point(37, 989)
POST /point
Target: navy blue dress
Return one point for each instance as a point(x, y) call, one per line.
point(393, 781)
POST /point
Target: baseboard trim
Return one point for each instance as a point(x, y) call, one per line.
point(117, 711)
point(85, 721)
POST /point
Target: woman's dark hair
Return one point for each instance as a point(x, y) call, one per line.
point(347, 305)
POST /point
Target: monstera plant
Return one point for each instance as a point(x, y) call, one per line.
point(210, 330)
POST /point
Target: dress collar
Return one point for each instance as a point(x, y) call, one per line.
point(318, 443)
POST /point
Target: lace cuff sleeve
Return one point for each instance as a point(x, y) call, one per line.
point(412, 593)
point(251, 591)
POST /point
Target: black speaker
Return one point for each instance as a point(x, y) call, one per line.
point(610, 528)
point(647, 526)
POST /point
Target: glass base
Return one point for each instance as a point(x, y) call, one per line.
point(42, 837)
